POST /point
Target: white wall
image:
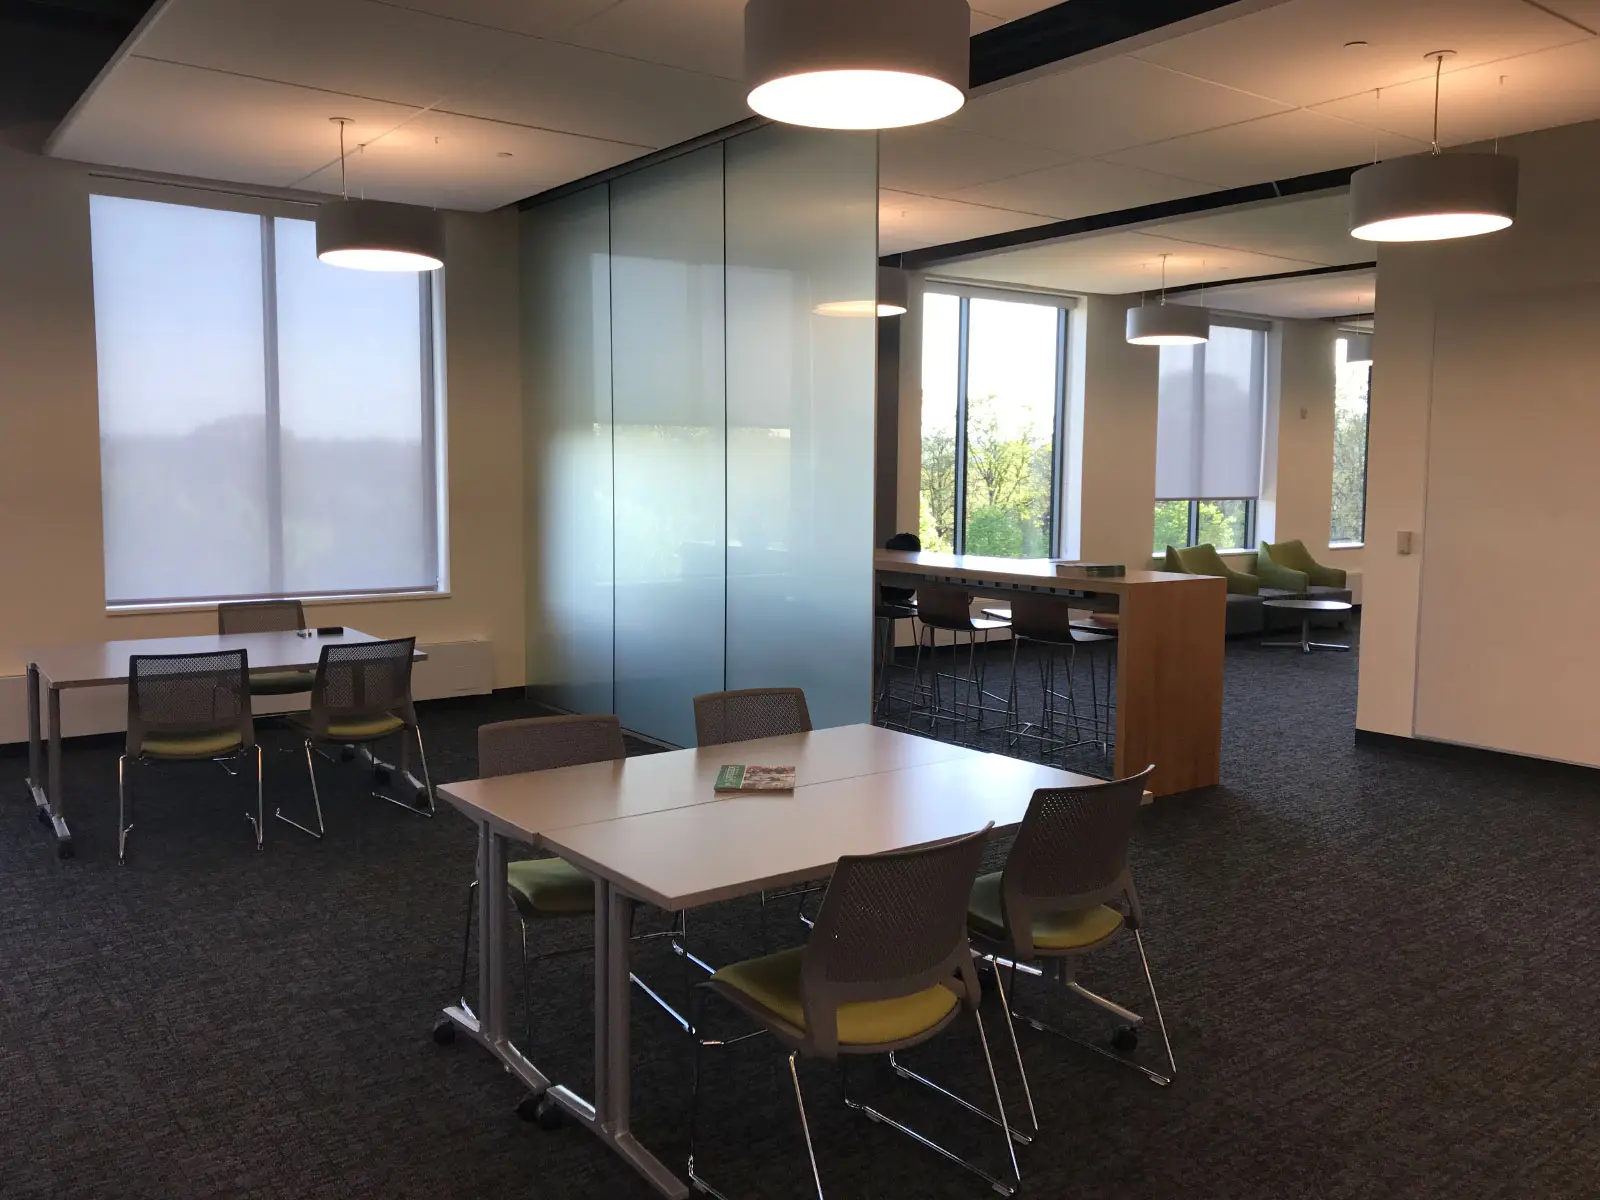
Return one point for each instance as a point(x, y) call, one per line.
point(1484, 426)
point(50, 514)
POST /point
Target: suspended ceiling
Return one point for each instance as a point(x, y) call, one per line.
point(476, 103)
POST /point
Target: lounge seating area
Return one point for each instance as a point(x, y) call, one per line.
point(1282, 569)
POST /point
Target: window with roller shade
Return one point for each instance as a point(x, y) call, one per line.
point(1212, 408)
point(268, 423)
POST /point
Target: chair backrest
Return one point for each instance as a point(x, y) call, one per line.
point(898, 596)
point(945, 607)
point(1041, 617)
point(363, 679)
point(722, 717)
point(545, 743)
point(260, 616)
point(189, 693)
point(890, 925)
point(1071, 852)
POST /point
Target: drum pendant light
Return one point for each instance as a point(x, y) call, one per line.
point(1164, 324)
point(1432, 197)
point(857, 64)
point(375, 235)
point(891, 301)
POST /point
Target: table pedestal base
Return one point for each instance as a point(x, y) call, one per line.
point(1305, 645)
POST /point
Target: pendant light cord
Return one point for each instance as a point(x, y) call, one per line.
point(1438, 72)
point(344, 187)
point(1163, 280)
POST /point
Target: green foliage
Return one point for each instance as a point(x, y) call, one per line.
point(1349, 476)
point(1172, 524)
point(1008, 487)
point(1221, 522)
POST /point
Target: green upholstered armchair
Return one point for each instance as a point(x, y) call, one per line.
point(1204, 560)
point(1296, 558)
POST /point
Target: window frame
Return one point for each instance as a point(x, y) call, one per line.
point(1366, 452)
point(430, 334)
point(964, 294)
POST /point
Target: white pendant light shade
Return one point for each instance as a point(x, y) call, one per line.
point(1431, 197)
point(857, 64)
point(892, 297)
point(375, 235)
point(1168, 325)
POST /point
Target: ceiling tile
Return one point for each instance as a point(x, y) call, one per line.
point(1313, 230)
point(982, 21)
point(1118, 263)
point(582, 91)
point(1108, 105)
point(156, 116)
point(1309, 297)
point(1276, 147)
point(1295, 52)
point(1010, 10)
point(541, 18)
point(1540, 91)
point(405, 56)
point(451, 161)
point(937, 159)
point(698, 35)
point(908, 222)
point(1082, 189)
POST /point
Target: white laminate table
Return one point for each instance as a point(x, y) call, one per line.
point(98, 664)
point(653, 829)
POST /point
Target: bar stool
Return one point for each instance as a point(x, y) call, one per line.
point(1052, 623)
point(1096, 636)
point(950, 609)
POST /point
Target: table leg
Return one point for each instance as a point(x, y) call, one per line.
point(489, 1027)
point(56, 798)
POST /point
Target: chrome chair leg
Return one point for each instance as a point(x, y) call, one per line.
point(805, 1126)
point(907, 1073)
point(122, 809)
point(259, 820)
point(1016, 1049)
point(316, 799)
point(1133, 1019)
point(1155, 1002)
point(424, 808)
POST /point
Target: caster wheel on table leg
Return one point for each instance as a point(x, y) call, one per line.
point(541, 1111)
point(1125, 1038)
point(444, 1031)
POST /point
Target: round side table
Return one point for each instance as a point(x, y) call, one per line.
point(1305, 608)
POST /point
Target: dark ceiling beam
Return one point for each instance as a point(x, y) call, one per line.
point(1308, 273)
point(1166, 210)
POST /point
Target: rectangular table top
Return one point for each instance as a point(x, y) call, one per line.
point(528, 805)
point(682, 857)
point(88, 664)
point(1021, 572)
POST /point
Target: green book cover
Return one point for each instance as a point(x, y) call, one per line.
point(736, 777)
point(730, 778)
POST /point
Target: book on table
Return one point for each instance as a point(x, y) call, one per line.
point(736, 777)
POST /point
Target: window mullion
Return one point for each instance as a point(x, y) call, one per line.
point(273, 414)
point(959, 538)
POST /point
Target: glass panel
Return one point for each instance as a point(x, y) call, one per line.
point(178, 332)
point(1223, 523)
point(1011, 408)
point(669, 409)
point(1351, 390)
point(566, 314)
point(801, 233)
point(357, 475)
point(941, 351)
point(1172, 525)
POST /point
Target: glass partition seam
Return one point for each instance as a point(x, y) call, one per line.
point(727, 433)
point(273, 407)
point(611, 409)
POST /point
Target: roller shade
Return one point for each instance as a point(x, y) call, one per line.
point(1212, 404)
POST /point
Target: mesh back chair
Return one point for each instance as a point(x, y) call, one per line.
point(267, 616)
point(950, 609)
point(1066, 891)
point(545, 888)
point(887, 967)
point(362, 693)
point(743, 716)
point(186, 708)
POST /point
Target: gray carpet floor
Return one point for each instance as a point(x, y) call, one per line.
point(1378, 968)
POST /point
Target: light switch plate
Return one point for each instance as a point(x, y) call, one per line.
point(1405, 542)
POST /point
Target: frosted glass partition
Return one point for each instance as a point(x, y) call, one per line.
point(566, 312)
point(801, 233)
point(669, 414)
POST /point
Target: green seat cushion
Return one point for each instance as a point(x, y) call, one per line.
point(550, 887)
point(1294, 555)
point(1274, 574)
point(192, 745)
point(773, 984)
point(281, 683)
point(1204, 560)
point(365, 730)
point(1074, 930)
